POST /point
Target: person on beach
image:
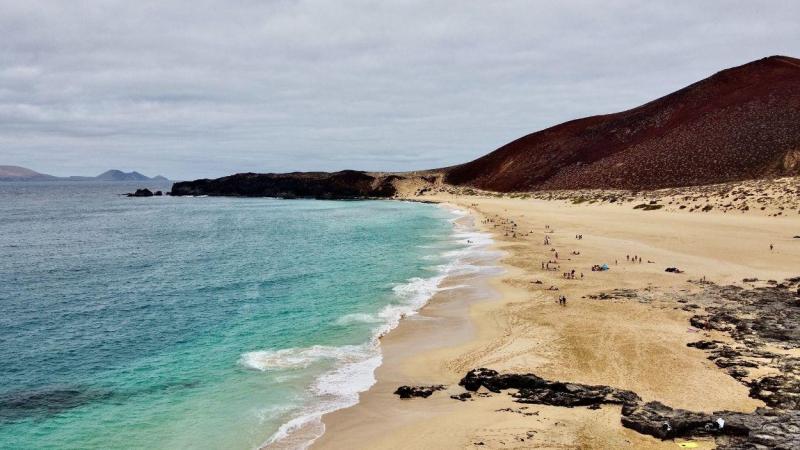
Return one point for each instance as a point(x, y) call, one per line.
point(770, 247)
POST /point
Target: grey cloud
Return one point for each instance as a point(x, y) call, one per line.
point(205, 88)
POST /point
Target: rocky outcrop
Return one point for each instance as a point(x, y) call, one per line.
point(769, 313)
point(533, 389)
point(418, 391)
point(763, 429)
point(754, 317)
point(140, 193)
point(348, 184)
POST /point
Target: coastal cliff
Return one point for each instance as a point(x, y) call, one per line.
point(347, 184)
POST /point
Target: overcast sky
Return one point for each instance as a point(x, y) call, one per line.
point(207, 88)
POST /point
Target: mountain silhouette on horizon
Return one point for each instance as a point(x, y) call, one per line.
point(18, 173)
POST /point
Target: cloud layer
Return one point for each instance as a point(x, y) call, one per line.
point(206, 88)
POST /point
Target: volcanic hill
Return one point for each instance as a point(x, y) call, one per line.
point(741, 123)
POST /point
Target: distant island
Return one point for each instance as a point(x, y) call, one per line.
point(17, 173)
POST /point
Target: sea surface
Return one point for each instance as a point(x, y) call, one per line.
point(199, 323)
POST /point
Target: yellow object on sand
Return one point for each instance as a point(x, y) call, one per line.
point(687, 444)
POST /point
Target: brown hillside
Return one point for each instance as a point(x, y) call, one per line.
point(741, 123)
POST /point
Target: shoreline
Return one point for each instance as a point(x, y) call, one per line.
point(443, 322)
point(462, 264)
point(519, 330)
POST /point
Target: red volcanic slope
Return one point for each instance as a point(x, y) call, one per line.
point(741, 123)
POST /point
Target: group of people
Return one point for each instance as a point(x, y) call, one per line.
point(635, 258)
point(570, 275)
point(546, 265)
point(510, 227)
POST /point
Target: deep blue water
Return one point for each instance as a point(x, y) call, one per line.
point(196, 322)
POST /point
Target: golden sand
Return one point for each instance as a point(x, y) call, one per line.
point(511, 323)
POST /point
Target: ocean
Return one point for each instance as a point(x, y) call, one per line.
point(202, 323)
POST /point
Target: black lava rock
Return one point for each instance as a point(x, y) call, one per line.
point(417, 391)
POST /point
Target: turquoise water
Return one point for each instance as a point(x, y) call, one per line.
point(197, 322)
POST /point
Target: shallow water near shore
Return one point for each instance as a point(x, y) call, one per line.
point(199, 322)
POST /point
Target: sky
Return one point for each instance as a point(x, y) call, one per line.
point(197, 88)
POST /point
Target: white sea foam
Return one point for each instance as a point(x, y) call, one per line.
point(294, 358)
point(453, 287)
point(349, 319)
point(354, 366)
point(337, 388)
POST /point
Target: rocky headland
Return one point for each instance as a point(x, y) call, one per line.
point(347, 184)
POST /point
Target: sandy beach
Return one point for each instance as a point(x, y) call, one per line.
point(633, 338)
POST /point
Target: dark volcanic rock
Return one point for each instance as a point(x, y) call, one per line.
point(348, 184)
point(417, 391)
point(738, 373)
point(663, 422)
point(763, 429)
point(704, 345)
point(770, 314)
point(573, 394)
point(141, 193)
point(495, 382)
point(779, 391)
point(462, 397)
point(533, 389)
point(754, 317)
